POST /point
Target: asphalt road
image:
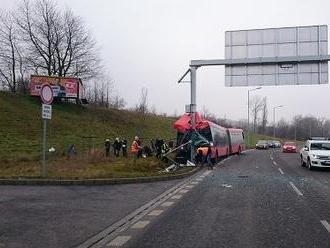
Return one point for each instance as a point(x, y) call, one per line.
point(65, 216)
point(259, 199)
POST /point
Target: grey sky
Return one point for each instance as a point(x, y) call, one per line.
point(149, 43)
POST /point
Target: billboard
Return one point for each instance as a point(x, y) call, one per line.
point(62, 87)
point(293, 42)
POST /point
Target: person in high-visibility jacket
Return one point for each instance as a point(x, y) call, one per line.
point(136, 147)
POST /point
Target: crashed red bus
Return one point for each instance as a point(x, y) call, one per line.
point(226, 141)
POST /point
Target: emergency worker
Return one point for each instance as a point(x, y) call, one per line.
point(136, 148)
point(124, 147)
point(107, 147)
point(116, 147)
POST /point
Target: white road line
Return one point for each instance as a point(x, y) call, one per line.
point(326, 225)
point(167, 204)
point(156, 212)
point(281, 171)
point(296, 189)
point(140, 224)
point(199, 179)
point(274, 163)
point(271, 158)
point(119, 241)
point(183, 191)
point(176, 197)
point(195, 182)
point(190, 186)
point(206, 173)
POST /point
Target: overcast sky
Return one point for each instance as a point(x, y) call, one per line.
point(149, 43)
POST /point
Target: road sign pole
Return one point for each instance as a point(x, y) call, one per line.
point(47, 97)
point(44, 145)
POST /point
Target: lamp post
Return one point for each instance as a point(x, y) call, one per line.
point(248, 112)
point(274, 108)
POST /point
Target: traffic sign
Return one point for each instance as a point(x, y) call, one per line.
point(46, 94)
point(46, 111)
point(277, 56)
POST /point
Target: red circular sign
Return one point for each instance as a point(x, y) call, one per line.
point(46, 94)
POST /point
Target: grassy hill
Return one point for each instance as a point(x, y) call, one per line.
point(21, 127)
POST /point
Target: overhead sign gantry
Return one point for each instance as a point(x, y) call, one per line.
point(269, 57)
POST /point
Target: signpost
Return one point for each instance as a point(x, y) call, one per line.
point(46, 95)
point(264, 57)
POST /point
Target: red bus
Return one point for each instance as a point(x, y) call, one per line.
point(226, 141)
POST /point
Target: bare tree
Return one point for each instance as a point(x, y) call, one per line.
point(11, 62)
point(142, 106)
point(56, 43)
point(118, 102)
point(100, 90)
point(256, 105)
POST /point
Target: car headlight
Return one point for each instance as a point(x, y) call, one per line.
point(314, 156)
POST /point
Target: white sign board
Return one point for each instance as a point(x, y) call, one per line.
point(274, 43)
point(46, 111)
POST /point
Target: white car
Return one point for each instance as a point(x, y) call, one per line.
point(315, 153)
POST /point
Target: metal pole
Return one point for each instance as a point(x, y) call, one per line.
point(193, 95)
point(44, 145)
point(248, 117)
point(274, 122)
point(192, 106)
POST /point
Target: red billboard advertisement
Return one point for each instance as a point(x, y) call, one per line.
point(62, 86)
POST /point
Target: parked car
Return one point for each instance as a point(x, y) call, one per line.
point(289, 147)
point(271, 144)
point(277, 144)
point(315, 153)
point(262, 144)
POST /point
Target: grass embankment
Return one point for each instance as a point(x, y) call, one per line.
point(21, 135)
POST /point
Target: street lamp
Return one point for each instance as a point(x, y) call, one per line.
point(248, 115)
point(274, 108)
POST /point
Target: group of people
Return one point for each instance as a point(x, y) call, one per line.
point(118, 145)
point(158, 146)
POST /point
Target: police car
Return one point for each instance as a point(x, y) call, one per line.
point(316, 153)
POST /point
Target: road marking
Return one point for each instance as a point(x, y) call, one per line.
point(226, 185)
point(194, 183)
point(156, 212)
point(274, 163)
point(190, 186)
point(206, 173)
point(199, 179)
point(167, 204)
point(183, 191)
point(296, 189)
point(271, 158)
point(326, 225)
point(140, 224)
point(119, 241)
point(176, 197)
point(281, 171)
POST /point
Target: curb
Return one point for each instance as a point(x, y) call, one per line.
point(97, 181)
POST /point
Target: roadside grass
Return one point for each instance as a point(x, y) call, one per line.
point(85, 127)
point(81, 168)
